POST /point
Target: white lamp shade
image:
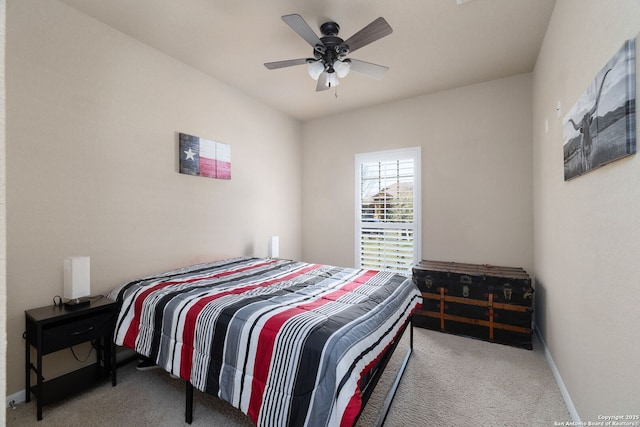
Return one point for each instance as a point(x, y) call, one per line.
point(315, 69)
point(342, 68)
point(274, 246)
point(332, 80)
point(77, 277)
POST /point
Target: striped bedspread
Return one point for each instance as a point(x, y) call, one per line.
point(286, 342)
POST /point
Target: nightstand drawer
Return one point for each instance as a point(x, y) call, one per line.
point(63, 335)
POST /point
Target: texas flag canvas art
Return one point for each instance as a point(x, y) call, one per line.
point(203, 157)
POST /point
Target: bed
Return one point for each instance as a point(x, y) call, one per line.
point(288, 343)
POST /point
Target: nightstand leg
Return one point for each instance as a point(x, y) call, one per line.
point(101, 355)
point(39, 395)
point(27, 362)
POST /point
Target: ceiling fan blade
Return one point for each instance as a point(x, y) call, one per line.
point(372, 32)
point(372, 70)
point(300, 26)
point(322, 82)
point(287, 63)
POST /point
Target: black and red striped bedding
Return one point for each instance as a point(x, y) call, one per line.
point(288, 343)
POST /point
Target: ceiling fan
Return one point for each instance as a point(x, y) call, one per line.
point(330, 62)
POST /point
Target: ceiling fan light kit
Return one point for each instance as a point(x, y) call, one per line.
point(342, 68)
point(315, 68)
point(332, 80)
point(330, 62)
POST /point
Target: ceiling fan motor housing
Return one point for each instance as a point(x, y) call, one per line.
point(330, 29)
point(333, 47)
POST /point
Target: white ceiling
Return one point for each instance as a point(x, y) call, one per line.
point(435, 44)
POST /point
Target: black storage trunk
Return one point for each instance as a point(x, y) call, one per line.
point(482, 301)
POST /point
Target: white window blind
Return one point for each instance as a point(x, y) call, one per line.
point(388, 210)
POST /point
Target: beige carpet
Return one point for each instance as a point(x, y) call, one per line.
point(450, 381)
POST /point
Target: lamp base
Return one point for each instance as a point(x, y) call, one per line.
point(77, 303)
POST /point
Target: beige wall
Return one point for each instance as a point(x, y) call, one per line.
point(92, 122)
point(476, 173)
point(3, 231)
point(587, 233)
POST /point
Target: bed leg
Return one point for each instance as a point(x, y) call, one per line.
point(392, 392)
point(188, 415)
point(411, 334)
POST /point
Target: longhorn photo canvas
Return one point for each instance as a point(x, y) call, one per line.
point(601, 126)
point(203, 157)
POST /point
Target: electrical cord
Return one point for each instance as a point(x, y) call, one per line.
point(88, 354)
point(57, 300)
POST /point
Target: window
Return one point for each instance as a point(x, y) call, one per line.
point(388, 210)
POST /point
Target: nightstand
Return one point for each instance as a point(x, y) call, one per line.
point(53, 328)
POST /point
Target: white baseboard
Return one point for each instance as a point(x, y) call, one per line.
point(556, 374)
point(16, 398)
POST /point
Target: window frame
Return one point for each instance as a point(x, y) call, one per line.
point(413, 153)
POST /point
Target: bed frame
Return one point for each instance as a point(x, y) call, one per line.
point(368, 389)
